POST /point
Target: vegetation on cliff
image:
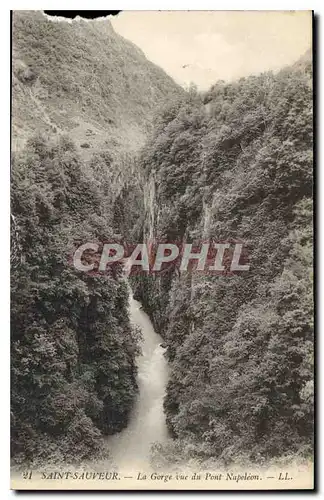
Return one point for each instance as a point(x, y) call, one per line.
point(84, 79)
point(92, 96)
point(236, 163)
point(73, 349)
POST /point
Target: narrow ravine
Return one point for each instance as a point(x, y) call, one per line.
point(130, 449)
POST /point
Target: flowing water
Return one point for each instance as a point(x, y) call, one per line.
point(130, 449)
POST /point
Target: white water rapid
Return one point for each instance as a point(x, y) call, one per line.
point(130, 449)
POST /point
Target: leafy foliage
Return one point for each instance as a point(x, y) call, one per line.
point(73, 349)
point(236, 163)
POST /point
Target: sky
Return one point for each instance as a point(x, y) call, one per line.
point(205, 46)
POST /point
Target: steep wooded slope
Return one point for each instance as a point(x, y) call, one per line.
point(236, 163)
point(83, 101)
point(84, 79)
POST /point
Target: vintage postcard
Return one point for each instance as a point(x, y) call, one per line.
point(162, 250)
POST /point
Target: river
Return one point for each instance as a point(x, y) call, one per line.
point(130, 449)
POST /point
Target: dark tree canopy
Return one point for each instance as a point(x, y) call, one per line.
point(236, 162)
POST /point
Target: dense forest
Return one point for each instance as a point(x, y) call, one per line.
point(125, 153)
point(76, 131)
point(236, 163)
point(73, 349)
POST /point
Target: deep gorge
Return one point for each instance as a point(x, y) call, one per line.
point(234, 162)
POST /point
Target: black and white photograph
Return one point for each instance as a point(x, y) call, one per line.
point(162, 252)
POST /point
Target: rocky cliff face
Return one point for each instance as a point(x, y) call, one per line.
point(239, 170)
